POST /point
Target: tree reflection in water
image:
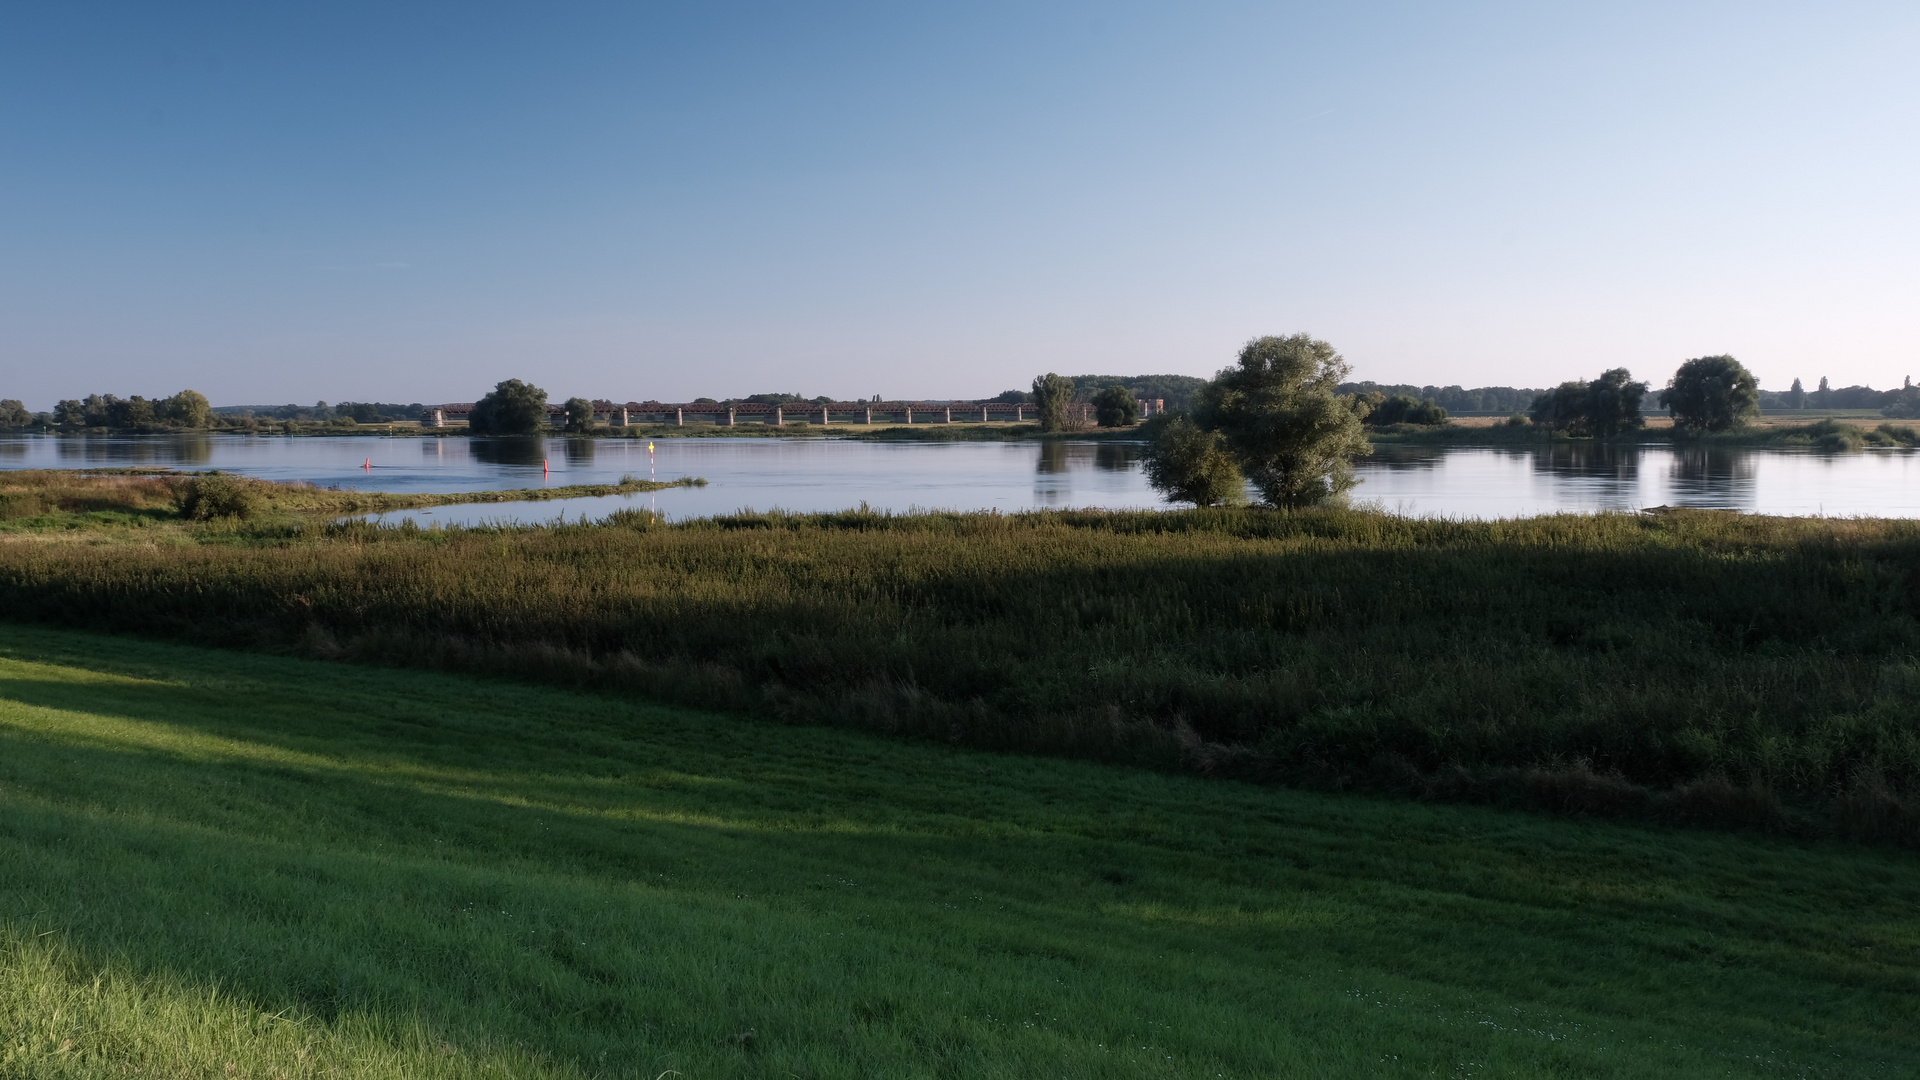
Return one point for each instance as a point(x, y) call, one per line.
point(182, 451)
point(579, 451)
point(513, 451)
point(1116, 457)
point(1591, 461)
point(1714, 477)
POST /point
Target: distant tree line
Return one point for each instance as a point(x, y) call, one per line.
point(1177, 391)
point(360, 412)
point(1482, 400)
point(186, 409)
point(189, 410)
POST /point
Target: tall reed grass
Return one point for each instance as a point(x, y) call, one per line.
point(1694, 666)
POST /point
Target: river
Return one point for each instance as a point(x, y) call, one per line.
point(832, 474)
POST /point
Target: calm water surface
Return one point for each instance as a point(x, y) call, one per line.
point(813, 474)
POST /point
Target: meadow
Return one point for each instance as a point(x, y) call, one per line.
point(1691, 667)
point(235, 864)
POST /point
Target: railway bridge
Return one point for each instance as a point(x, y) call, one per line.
point(730, 413)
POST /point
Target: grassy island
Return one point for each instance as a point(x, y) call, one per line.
point(38, 501)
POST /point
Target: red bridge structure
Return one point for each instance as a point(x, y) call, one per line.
point(729, 413)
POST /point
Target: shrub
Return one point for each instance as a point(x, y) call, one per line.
point(1187, 464)
point(216, 495)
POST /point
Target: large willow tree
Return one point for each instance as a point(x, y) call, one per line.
point(1278, 417)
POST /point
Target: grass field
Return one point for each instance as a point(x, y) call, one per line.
point(224, 864)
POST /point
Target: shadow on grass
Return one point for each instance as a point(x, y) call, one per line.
point(623, 887)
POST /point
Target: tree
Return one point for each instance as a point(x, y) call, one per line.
point(1278, 416)
point(1797, 396)
point(71, 412)
point(1013, 397)
point(1905, 404)
point(579, 415)
point(134, 412)
point(188, 408)
point(1116, 407)
point(1712, 393)
point(1187, 464)
point(1613, 403)
point(13, 413)
point(1052, 394)
point(513, 408)
point(99, 409)
point(1404, 409)
point(1602, 408)
point(1560, 408)
point(1823, 397)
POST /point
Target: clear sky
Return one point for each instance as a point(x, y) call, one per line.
point(394, 201)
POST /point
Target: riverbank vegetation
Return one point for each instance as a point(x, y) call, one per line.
point(220, 864)
point(1680, 666)
point(39, 500)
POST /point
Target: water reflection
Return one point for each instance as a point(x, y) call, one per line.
point(1714, 477)
point(170, 450)
point(513, 452)
point(579, 451)
point(1592, 461)
point(1052, 459)
point(1116, 457)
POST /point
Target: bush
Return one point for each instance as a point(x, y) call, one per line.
point(216, 495)
point(1187, 464)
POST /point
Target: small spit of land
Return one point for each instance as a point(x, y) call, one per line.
point(99, 501)
point(232, 864)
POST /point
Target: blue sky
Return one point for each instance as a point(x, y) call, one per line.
point(412, 201)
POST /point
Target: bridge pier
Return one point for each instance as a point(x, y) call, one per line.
point(779, 416)
point(729, 416)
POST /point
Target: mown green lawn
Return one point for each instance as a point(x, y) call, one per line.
point(222, 864)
